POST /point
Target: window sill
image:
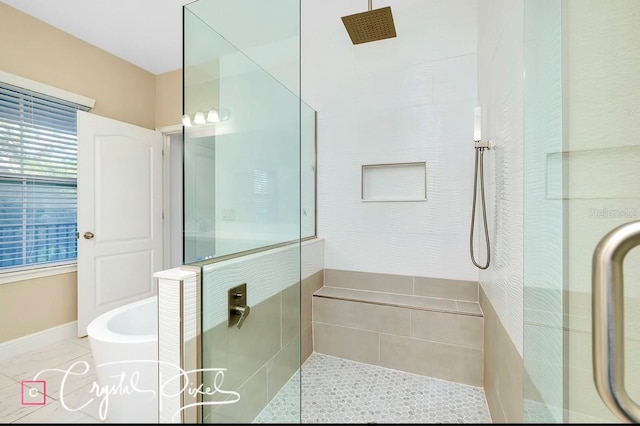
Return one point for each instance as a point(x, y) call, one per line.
point(30, 274)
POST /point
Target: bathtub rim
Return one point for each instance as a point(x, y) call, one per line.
point(98, 330)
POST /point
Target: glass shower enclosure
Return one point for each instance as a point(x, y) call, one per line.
point(249, 199)
point(582, 152)
point(249, 185)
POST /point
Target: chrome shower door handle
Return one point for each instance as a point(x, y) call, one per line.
point(608, 319)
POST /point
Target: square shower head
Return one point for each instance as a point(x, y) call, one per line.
point(372, 25)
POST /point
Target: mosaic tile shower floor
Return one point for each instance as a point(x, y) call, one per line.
point(336, 390)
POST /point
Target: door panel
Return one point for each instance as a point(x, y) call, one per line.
point(602, 192)
point(119, 161)
point(581, 107)
point(120, 202)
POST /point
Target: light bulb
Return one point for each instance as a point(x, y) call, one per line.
point(186, 120)
point(199, 118)
point(212, 116)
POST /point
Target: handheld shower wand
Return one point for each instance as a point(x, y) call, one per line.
point(480, 147)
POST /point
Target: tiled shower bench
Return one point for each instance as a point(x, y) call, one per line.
point(439, 337)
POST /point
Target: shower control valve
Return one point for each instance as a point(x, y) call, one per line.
point(238, 309)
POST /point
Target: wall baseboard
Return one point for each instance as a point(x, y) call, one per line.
point(37, 340)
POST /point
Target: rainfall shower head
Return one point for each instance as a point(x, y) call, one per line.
point(372, 25)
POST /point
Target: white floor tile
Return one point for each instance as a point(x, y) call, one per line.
point(28, 365)
point(11, 408)
point(87, 402)
point(5, 381)
point(72, 372)
point(82, 341)
point(54, 412)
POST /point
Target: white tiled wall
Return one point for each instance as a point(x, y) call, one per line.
point(500, 91)
point(405, 99)
point(266, 274)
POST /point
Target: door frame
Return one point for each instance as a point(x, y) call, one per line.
point(167, 240)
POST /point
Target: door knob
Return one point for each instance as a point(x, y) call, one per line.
point(88, 235)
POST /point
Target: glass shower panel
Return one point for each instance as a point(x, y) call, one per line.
point(201, 86)
point(243, 203)
point(267, 33)
point(242, 174)
point(582, 156)
point(543, 213)
point(602, 155)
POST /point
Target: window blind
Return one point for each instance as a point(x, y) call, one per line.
point(38, 179)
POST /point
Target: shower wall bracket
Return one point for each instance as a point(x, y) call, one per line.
point(482, 144)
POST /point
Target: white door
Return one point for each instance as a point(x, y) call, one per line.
point(119, 214)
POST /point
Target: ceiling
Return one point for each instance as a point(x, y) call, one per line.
point(147, 33)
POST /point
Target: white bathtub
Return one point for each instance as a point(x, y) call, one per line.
point(124, 344)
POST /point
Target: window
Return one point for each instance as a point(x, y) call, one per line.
point(38, 175)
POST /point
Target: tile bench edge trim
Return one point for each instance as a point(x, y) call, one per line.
point(397, 305)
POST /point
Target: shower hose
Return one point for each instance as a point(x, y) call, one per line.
point(480, 162)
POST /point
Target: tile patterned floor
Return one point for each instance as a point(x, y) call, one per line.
point(536, 412)
point(335, 390)
point(58, 409)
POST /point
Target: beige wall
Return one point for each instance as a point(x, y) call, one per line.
point(37, 51)
point(30, 306)
point(169, 98)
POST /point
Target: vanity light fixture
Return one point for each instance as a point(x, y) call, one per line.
point(213, 116)
point(199, 118)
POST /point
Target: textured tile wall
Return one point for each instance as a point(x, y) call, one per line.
point(405, 99)
point(500, 90)
point(501, 96)
point(266, 274)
